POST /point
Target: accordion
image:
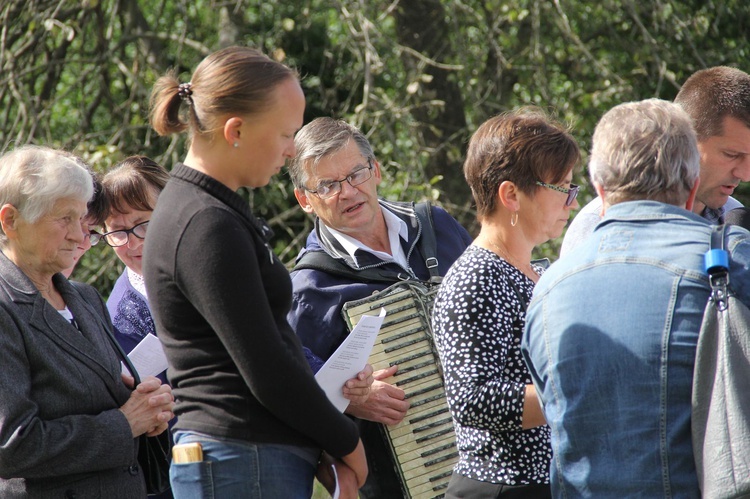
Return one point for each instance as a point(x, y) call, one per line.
point(423, 445)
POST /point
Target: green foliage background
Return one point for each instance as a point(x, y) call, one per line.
point(418, 76)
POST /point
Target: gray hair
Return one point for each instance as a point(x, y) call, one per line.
point(645, 150)
point(33, 178)
point(320, 138)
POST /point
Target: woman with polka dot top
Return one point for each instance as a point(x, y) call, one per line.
point(519, 166)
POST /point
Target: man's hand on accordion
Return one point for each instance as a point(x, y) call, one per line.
point(357, 389)
point(386, 403)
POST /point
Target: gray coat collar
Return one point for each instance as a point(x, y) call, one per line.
point(89, 345)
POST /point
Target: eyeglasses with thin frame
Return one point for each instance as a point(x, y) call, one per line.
point(330, 188)
point(572, 192)
point(117, 238)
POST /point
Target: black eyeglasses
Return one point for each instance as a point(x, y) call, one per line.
point(117, 238)
point(94, 237)
point(572, 192)
point(330, 188)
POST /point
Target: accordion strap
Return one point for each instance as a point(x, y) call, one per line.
point(427, 243)
point(320, 260)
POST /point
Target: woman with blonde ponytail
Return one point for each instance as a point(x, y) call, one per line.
point(220, 296)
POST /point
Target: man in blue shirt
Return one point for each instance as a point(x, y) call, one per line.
point(718, 101)
point(612, 328)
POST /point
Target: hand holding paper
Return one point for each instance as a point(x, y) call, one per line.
point(349, 359)
point(357, 389)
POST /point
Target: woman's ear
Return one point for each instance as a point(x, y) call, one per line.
point(232, 132)
point(507, 193)
point(8, 219)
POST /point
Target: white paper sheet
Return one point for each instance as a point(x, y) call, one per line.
point(148, 357)
point(349, 358)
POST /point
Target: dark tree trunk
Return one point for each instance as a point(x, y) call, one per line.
point(441, 129)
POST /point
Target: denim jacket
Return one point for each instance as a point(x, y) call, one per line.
point(610, 342)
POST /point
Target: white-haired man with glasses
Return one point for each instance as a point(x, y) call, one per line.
point(336, 174)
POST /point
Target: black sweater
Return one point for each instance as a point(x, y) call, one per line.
point(219, 298)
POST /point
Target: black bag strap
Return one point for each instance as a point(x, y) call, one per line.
point(125, 359)
point(428, 243)
point(716, 262)
point(320, 260)
point(718, 236)
point(110, 335)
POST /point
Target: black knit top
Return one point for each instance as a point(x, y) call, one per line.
point(219, 298)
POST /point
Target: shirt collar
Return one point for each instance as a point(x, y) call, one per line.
point(643, 210)
point(715, 216)
point(137, 282)
point(397, 228)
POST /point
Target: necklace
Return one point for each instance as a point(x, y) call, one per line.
point(526, 268)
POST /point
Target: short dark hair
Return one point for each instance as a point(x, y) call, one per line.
point(132, 182)
point(97, 208)
point(712, 94)
point(522, 146)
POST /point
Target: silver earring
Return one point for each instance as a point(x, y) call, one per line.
point(236, 145)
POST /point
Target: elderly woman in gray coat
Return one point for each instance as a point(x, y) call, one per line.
point(68, 421)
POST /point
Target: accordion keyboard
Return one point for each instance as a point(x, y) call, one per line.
point(424, 443)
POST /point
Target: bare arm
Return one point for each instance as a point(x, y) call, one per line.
point(357, 461)
point(533, 415)
point(347, 478)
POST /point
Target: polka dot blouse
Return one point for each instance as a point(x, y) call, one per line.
point(478, 321)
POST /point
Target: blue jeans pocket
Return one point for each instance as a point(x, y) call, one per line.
point(232, 469)
point(192, 480)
